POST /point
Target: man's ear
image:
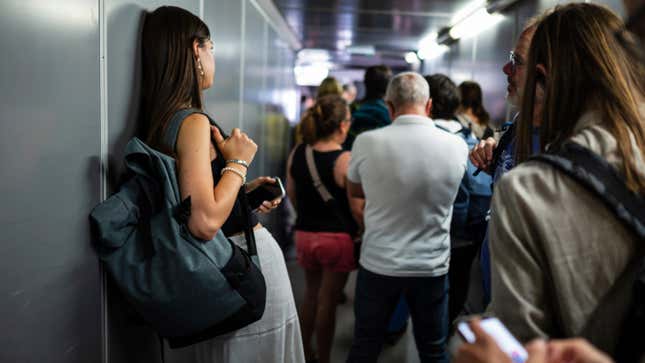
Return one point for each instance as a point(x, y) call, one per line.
point(390, 109)
point(429, 107)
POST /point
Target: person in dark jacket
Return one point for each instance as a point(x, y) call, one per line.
point(372, 112)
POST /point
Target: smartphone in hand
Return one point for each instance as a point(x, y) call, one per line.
point(266, 191)
point(504, 339)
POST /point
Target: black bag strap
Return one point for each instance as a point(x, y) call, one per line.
point(601, 179)
point(170, 138)
point(251, 248)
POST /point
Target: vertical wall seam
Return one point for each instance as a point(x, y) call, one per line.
point(265, 61)
point(201, 9)
point(242, 64)
point(103, 119)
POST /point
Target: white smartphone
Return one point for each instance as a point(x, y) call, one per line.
point(506, 341)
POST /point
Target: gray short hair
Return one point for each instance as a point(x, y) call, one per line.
point(407, 88)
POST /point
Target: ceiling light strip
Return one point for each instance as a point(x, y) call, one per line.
point(270, 12)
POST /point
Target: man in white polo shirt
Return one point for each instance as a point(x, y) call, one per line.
point(409, 174)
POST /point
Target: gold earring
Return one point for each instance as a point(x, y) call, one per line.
point(199, 66)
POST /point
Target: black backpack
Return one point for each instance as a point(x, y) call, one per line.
point(602, 180)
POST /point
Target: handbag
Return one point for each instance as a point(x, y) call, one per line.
point(188, 290)
point(329, 200)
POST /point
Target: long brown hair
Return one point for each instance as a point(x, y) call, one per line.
point(323, 119)
point(170, 76)
point(583, 47)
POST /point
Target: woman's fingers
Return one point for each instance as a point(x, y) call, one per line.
point(217, 136)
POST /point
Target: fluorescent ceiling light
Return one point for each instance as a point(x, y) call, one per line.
point(361, 49)
point(342, 44)
point(427, 40)
point(411, 58)
point(311, 75)
point(476, 23)
point(313, 55)
point(432, 52)
point(467, 10)
point(429, 49)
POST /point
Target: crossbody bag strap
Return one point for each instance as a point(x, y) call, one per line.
point(311, 165)
point(249, 236)
point(602, 180)
point(598, 177)
point(322, 189)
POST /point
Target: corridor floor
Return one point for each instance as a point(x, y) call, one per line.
point(403, 352)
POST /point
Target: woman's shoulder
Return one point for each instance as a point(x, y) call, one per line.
point(189, 130)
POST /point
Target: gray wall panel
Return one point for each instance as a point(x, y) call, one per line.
point(252, 121)
point(224, 18)
point(49, 150)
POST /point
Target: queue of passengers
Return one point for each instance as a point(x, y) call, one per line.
point(545, 265)
point(399, 173)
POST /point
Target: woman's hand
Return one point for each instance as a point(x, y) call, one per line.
point(484, 350)
point(237, 146)
point(575, 350)
point(266, 205)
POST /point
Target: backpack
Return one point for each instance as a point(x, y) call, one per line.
point(602, 180)
point(188, 290)
point(473, 197)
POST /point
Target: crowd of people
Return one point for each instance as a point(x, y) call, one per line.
point(398, 186)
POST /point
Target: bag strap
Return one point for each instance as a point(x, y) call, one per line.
point(321, 188)
point(601, 179)
point(311, 165)
point(170, 138)
point(248, 228)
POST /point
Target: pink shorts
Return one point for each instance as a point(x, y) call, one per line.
point(325, 250)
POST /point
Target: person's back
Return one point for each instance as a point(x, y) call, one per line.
point(556, 249)
point(409, 173)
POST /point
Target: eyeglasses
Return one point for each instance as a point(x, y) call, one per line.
point(515, 60)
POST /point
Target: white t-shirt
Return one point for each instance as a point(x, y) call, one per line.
point(410, 172)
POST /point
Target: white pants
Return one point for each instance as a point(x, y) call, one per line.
point(275, 337)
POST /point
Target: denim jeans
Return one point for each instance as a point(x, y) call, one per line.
point(376, 299)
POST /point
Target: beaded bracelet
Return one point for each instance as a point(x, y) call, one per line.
point(239, 173)
point(238, 162)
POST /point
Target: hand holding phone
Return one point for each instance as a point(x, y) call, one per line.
point(493, 328)
point(266, 191)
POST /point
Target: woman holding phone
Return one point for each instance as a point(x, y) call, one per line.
point(177, 65)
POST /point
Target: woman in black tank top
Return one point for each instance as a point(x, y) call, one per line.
point(324, 231)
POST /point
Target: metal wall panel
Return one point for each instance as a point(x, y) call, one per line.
point(224, 19)
point(49, 152)
point(252, 120)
